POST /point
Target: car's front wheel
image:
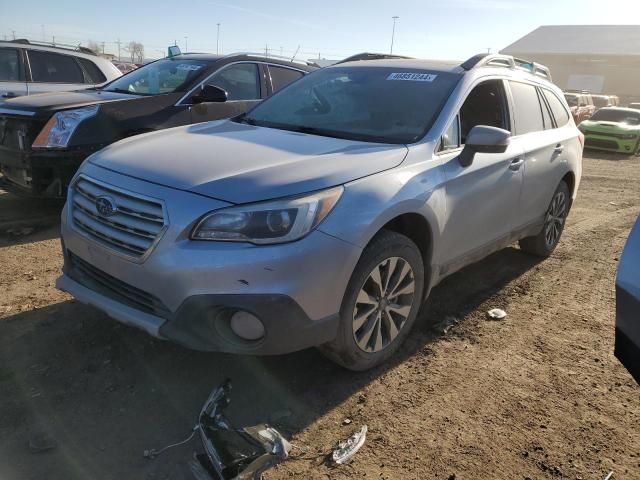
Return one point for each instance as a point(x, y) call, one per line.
point(546, 241)
point(381, 303)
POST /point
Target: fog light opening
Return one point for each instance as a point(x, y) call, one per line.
point(246, 325)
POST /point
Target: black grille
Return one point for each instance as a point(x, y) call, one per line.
point(103, 283)
point(601, 143)
point(609, 134)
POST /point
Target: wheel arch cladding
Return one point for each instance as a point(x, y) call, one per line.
point(417, 229)
point(570, 179)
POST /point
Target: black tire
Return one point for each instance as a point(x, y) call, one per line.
point(397, 251)
point(546, 242)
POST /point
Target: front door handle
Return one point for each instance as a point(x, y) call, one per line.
point(559, 148)
point(516, 163)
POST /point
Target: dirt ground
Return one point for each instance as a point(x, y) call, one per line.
point(538, 395)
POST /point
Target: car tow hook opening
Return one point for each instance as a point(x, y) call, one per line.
point(247, 326)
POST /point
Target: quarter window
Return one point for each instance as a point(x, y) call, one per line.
point(527, 108)
point(557, 108)
point(94, 74)
point(546, 115)
point(240, 81)
point(451, 137)
point(9, 65)
point(50, 67)
point(281, 77)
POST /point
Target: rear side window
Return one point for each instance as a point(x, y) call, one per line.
point(281, 77)
point(240, 81)
point(557, 108)
point(9, 65)
point(94, 74)
point(47, 67)
point(526, 108)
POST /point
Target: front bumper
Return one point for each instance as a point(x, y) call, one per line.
point(44, 173)
point(186, 290)
point(612, 144)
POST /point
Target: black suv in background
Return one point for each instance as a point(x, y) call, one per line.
point(44, 138)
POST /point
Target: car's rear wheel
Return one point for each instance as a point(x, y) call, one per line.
point(547, 240)
point(381, 303)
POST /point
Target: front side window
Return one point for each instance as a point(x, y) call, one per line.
point(281, 76)
point(366, 103)
point(486, 105)
point(48, 67)
point(9, 65)
point(164, 76)
point(241, 81)
point(526, 107)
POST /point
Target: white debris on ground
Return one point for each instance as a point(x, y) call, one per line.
point(496, 314)
point(346, 449)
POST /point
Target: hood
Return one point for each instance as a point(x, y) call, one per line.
point(45, 102)
point(240, 163)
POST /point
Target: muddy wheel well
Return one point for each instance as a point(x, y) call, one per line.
point(417, 228)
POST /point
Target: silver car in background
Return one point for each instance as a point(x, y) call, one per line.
point(324, 216)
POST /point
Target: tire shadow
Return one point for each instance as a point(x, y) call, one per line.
point(106, 392)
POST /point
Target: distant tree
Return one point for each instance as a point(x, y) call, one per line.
point(136, 50)
point(93, 46)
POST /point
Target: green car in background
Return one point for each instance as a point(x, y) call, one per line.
point(614, 129)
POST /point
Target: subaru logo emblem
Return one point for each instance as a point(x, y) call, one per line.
point(105, 206)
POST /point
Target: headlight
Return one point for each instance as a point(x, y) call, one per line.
point(276, 221)
point(58, 130)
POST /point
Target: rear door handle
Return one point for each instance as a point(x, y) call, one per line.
point(516, 163)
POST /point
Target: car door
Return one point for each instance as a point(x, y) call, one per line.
point(12, 77)
point(545, 149)
point(244, 84)
point(482, 198)
point(53, 72)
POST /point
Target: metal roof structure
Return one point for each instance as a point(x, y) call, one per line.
point(618, 40)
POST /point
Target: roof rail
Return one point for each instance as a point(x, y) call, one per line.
point(60, 46)
point(277, 57)
point(370, 56)
point(507, 61)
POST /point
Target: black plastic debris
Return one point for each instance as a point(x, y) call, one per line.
point(236, 453)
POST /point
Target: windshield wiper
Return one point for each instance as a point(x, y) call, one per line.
point(122, 90)
point(243, 118)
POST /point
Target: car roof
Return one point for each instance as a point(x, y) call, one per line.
point(234, 57)
point(432, 65)
point(62, 50)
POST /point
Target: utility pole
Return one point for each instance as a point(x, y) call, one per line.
point(43, 37)
point(53, 38)
point(266, 50)
point(186, 45)
point(102, 48)
point(489, 50)
point(218, 41)
point(13, 32)
point(393, 32)
point(118, 42)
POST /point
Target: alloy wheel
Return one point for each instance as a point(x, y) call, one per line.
point(383, 304)
point(554, 222)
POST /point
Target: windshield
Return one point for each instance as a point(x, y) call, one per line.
point(572, 100)
point(164, 76)
point(619, 116)
point(375, 104)
point(600, 101)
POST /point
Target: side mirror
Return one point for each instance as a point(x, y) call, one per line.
point(484, 139)
point(209, 93)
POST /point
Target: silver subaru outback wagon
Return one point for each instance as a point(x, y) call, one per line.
point(324, 216)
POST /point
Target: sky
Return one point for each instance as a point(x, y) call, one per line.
point(445, 29)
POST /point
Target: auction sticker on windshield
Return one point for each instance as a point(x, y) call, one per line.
point(186, 66)
point(414, 77)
